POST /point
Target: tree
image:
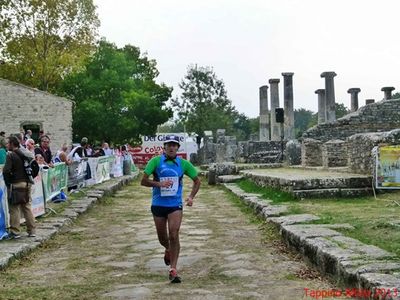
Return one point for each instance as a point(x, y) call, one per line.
point(204, 104)
point(341, 110)
point(116, 96)
point(302, 120)
point(42, 41)
point(396, 95)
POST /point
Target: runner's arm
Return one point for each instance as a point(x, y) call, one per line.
point(195, 189)
point(146, 181)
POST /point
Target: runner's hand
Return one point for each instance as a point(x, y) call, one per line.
point(166, 183)
point(189, 201)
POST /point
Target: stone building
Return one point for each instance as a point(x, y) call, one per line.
point(23, 107)
point(349, 140)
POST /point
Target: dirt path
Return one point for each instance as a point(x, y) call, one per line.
point(112, 252)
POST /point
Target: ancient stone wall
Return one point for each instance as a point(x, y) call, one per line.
point(21, 105)
point(311, 152)
point(262, 152)
point(360, 158)
point(376, 117)
point(334, 153)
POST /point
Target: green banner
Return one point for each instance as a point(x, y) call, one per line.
point(54, 180)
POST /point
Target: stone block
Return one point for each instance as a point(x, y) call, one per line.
point(311, 153)
point(293, 219)
point(293, 152)
point(334, 154)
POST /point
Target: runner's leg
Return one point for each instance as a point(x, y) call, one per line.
point(161, 227)
point(174, 224)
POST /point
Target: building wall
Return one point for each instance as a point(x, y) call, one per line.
point(21, 104)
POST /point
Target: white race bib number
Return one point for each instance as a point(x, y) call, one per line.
point(172, 189)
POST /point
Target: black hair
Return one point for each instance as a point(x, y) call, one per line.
point(13, 140)
point(44, 137)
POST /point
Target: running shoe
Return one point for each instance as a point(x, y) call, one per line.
point(173, 276)
point(167, 259)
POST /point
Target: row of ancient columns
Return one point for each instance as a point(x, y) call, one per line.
point(326, 98)
point(267, 117)
point(326, 105)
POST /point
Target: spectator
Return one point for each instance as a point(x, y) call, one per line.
point(89, 150)
point(107, 150)
point(80, 151)
point(98, 152)
point(19, 189)
point(44, 149)
point(3, 151)
point(124, 150)
point(40, 160)
point(28, 134)
point(2, 134)
point(25, 151)
point(41, 133)
point(30, 145)
point(62, 156)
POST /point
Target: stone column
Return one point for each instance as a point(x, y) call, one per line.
point(288, 106)
point(321, 106)
point(330, 96)
point(275, 127)
point(369, 101)
point(354, 98)
point(387, 92)
point(264, 117)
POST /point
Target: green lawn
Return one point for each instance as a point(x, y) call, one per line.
point(376, 221)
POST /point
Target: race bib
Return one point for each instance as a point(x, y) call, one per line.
point(171, 190)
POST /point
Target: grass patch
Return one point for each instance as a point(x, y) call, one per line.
point(274, 194)
point(375, 221)
point(269, 232)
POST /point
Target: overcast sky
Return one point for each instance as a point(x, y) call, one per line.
point(247, 42)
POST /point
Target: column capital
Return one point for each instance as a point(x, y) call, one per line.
point(328, 74)
point(369, 101)
point(264, 87)
point(320, 91)
point(274, 80)
point(353, 90)
point(387, 89)
point(287, 74)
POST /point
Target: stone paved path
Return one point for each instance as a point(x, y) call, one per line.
point(112, 252)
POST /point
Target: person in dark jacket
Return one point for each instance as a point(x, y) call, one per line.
point(15, 179)
point(44, 150)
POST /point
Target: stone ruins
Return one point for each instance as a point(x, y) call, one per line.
point(345, 142)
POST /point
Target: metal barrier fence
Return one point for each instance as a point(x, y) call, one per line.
point(51, 181)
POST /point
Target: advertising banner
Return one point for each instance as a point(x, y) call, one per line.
point(38, 202)
point(116, 170)
point(153, 145)
point(54, 180)
point(100, 168)
point(3, 208)
point(388, 167)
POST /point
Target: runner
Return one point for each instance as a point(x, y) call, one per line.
point(166, 207)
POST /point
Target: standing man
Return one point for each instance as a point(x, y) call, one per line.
point(19, 188)
point(166, 206)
